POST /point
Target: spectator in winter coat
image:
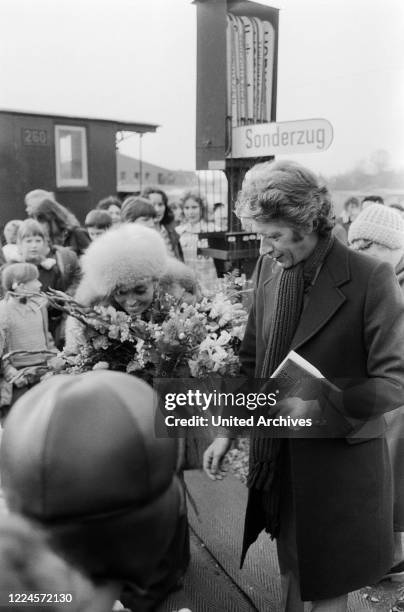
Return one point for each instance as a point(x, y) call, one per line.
point(24, 336)
point(379, 232)
point(58, 268)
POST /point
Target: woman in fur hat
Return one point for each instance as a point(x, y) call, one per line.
point(122, 269)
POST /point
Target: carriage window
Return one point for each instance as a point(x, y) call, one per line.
point(71, 156)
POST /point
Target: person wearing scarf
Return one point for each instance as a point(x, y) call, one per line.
point(327, 501)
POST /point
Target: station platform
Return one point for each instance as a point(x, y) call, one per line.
point(214, 582)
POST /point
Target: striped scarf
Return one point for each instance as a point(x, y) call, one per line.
point(267, 454)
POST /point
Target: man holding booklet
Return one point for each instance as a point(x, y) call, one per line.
point(327, 500)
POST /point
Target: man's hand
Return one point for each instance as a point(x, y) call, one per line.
point(213, 457)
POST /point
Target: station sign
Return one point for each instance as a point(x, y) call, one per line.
point(264, 139)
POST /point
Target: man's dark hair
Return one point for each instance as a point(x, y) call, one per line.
point(288, 192)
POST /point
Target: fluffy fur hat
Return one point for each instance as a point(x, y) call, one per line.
point(380, 224)
point(121, 257)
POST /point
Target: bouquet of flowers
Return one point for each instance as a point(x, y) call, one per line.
point(180, 341)
point(225, 324)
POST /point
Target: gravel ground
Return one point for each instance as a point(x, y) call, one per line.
point(381, 596)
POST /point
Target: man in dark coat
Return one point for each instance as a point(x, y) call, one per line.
point(328, 502)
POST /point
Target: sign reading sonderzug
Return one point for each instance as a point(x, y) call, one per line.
point(262, 139)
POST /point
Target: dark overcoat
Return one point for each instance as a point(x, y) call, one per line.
point(352, 326)
point(395, 440)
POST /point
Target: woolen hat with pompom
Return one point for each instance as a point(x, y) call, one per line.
point(380, 224)
point(123, 256)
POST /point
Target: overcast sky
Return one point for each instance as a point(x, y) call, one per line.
point(342, 60)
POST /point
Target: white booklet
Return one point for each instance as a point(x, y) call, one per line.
point(294, 364)
point(294, 371)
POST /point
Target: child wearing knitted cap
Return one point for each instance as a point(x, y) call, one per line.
point(379, 231)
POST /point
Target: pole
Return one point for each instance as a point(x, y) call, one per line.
point(140, 163)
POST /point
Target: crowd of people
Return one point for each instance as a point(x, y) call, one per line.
point(52, 239)
point(97, 497)
point(128, 256)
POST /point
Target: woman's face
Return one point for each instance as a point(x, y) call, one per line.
point(115, 213)
point(192, 211)
point(157, 200)
point(136, 299)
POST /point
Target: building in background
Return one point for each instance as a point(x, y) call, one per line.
point(74, 157)
point(133, 175)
